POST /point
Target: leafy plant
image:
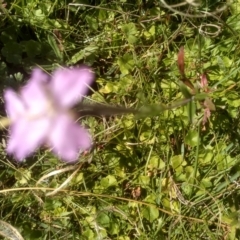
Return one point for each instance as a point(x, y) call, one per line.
point(170, 174)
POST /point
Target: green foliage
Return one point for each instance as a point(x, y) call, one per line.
point(164, 174)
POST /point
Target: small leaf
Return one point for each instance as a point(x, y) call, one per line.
point(108, 181)
point(102, 15)
point(150, 33)
point(103, 219)
point(206, 157)
point(150, 213)
point(192, 138)
point(146, 135)
point(92, 22)
point(177, 163)
point(130, 32)
point(13, 52)
point(224, 161)
point(23, 176)
point(156, 162)
point(144, 180)
point(190, 174)
point(88, 234)
point(123, 238)
point(126, 63)
point(78, 179)
point(206, 183)
point(110, 87)
point(32, 48)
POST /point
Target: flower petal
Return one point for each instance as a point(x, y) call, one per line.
point(13, 104)
point(27, 136)
point(69, 85)
point(39, 76)
point(67, 138)
point(34, 95)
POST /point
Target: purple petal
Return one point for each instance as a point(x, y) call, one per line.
point(34, 95)
point(67, 138)
point(69, 85)
point(13, 104)
point(39, 76)
point(27, 136)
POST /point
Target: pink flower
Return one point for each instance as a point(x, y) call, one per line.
point(40, 114)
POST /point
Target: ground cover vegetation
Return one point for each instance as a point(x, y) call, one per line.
point(171, 172)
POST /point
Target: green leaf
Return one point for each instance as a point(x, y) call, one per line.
point(224, 161)
point(110, 87)
point(146, 135)
point(206, 157)
point(150, 33)
point(88, 234)
point(206, 183)
point(177, 163)
point(156, 163)
point(13, 52)
point(87, 51)
point(186, 188)
point(102, 15)
point(123, 238)
point(126, 63)
point(114, 228)
point(108, 181)
point(150, 213)
point(52, 42)
point(92, 22)
point(233, 99)
point(190, 174)
point(192, 138)
point(103, 219)
point(184, 90)
point(23, 176)
point(78, 179)
point(144, 180)
point(32, 48)
point(130, 32)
